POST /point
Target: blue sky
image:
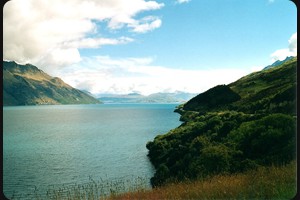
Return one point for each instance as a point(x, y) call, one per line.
point(143, 46)
point(238, 33)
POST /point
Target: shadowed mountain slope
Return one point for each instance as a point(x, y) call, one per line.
point(28, 85)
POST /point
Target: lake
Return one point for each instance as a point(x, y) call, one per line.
point(61, 145)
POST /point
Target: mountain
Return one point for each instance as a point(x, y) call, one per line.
point(232, 128)
point(121, 98)
point(267, 91)
point(279, 62)
point(176, 97)
point(28, 85)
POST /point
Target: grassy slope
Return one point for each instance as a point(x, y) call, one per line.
point(256, 82)
point(263, 183)
point(267, 91)
point(261, 90)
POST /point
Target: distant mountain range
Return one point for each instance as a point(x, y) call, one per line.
point(176, 97)
point(28, 85)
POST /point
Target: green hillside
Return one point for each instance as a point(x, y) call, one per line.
point(267, 91)
point(28, 85)
point(231, 129)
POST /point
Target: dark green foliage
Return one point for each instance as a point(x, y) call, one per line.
point(230, 135)
point(216, 158)
point(161, 174)
point(198, 148)
point(267, 140)
point(223, 142)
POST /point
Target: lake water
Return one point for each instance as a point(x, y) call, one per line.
point(51, 146)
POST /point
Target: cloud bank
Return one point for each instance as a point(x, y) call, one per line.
point(50, 33)
point(104, 74)
point(281, 54)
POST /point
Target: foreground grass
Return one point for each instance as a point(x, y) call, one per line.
point(263, 183)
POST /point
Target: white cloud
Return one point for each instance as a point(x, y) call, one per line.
point(104, 74)
point(293, 43)
point(146, 24)
point(36, 29)
point(182, 1)
point(281, 54)
point(96, 42)
point(56, 58)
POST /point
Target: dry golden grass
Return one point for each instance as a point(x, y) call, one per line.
point(263, 183)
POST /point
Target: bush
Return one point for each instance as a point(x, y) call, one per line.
point(216, 159)
point(269, 140)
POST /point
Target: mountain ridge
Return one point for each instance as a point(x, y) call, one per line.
point(279, 62)
point(29, 85)
point(160, 97)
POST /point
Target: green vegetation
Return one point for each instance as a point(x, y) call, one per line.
point(28, 85)
point(231, 129)
point(268, 91)
point(226, 142)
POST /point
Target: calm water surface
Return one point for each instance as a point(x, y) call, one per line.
point(59, 145)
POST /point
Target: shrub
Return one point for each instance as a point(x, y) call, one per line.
point(271, 139)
